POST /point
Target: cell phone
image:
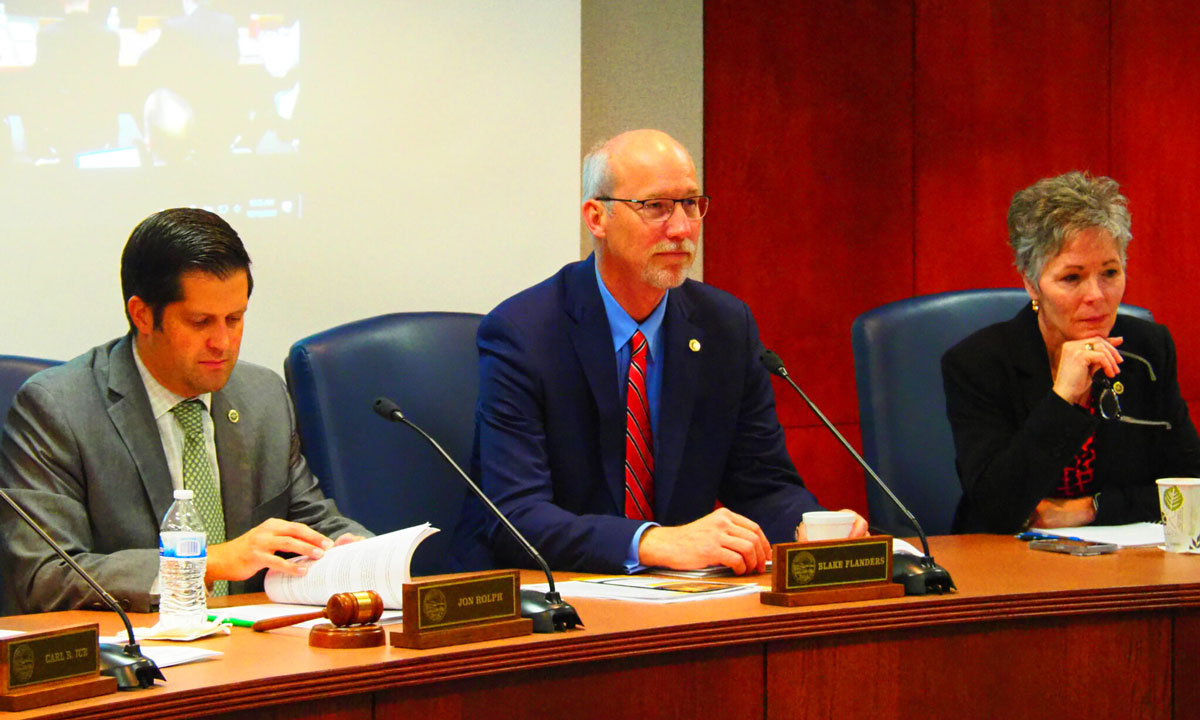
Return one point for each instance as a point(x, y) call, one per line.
point(1073, 547)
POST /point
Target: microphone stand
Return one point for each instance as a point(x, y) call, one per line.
point(127, 664)
point(918, 578)
point(548, 611)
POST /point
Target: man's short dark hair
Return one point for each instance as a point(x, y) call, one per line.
point(170, 243)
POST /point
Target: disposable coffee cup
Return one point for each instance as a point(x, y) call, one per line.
point(1179, 502)
point(828, 524)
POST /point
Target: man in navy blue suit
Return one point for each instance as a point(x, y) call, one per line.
point(620, 401)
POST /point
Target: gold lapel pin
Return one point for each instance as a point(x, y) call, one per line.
point(1118, 388)
point(694, 344)
point(234, 416)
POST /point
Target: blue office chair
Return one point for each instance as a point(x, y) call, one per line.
point(14, 371)
point(906, 437)
point(385, 475)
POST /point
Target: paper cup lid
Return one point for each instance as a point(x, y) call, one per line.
point(828, 517)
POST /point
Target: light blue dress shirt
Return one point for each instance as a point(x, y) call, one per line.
point(622, 326)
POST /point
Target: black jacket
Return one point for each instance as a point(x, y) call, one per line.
point(1014, 436)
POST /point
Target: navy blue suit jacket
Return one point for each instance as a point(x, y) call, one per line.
point(550, 426)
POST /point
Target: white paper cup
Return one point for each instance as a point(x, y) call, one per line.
point(828, 524)
point(1179, 503)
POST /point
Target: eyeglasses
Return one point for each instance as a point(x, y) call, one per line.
point(1110, 406)
point(659, 209)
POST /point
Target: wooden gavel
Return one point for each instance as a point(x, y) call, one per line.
point(343, 609)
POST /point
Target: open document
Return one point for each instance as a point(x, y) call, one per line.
point(380, 563)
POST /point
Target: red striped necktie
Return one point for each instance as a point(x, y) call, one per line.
point(639, 438)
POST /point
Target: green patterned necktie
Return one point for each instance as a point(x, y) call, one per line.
point(198, 477)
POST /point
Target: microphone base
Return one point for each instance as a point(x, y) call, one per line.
point(548, 612)
point(132, 669)
point(921, 575)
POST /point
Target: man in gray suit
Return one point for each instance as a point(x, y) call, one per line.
point(94, 448)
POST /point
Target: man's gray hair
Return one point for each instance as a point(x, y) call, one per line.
point(1043, 215)
point(597, 175)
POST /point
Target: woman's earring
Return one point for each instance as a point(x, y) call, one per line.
point(1035, 305)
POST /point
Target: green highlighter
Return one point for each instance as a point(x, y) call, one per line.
point(231, 621)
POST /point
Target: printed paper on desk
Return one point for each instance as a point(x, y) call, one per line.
point(168, 655)
point(649, 589)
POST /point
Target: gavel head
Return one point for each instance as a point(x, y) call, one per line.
point(356, 608)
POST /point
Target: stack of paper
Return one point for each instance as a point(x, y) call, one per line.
point(1145, 534)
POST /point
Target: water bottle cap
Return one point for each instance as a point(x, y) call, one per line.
point(183, 494)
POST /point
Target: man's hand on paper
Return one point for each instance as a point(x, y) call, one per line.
point(255, 549)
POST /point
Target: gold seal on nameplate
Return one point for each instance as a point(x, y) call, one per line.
point(22, 665)
point(803, 568)
point(434, 605)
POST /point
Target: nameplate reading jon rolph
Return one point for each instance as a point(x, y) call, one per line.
point(44, 668)
point(463, 608)
point(831, 571)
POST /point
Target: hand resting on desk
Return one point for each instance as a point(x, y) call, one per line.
point(720, 538)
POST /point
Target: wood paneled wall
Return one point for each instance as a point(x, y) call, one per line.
point(864, 152)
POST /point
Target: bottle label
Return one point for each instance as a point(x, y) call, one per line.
point(182, 545)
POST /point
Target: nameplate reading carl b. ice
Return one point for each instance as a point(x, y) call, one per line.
point(51, 666)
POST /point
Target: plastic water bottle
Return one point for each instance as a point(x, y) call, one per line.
point(182, 553)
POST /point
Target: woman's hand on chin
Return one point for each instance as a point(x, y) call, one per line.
point(1078, 360)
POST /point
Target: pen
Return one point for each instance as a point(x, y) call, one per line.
point(1029, 535)
point(231, 621)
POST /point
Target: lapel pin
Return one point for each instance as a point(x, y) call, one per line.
point(234, 416)
point(694, 344)
point(1118, 388)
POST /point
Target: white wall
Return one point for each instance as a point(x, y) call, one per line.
point(438, 167)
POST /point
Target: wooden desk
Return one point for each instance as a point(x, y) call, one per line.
point(1029, 634)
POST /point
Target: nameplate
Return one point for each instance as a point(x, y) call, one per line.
point(832, 571)
point(53, 655)
point(461, 608)
point(52, 666)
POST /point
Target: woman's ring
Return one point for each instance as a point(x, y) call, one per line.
point(1089, 347)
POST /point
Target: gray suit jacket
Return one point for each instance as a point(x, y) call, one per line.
point(81, 453)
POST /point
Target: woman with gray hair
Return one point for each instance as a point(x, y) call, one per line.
point(1067, 413)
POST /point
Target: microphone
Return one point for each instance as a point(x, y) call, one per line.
point(547, 610)
point(918, 575)
point(127, 664)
